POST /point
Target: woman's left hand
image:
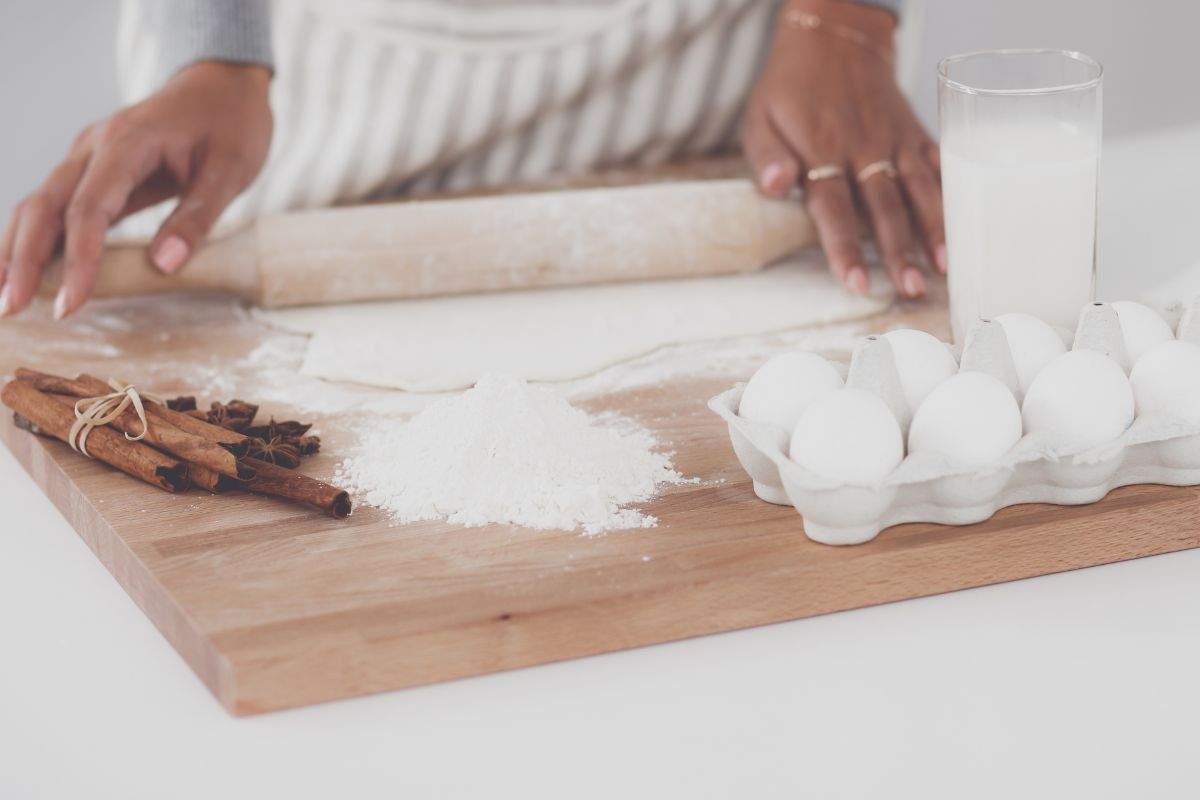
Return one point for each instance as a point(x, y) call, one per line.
point(828, 98)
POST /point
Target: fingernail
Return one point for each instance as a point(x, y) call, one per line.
point(856, 280)
point(940, 256)
point(914, 284)
point(5, 310)
point(61, 303)
point(171, 254)
point(771, 178)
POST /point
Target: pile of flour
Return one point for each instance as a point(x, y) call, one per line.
point(508, 452)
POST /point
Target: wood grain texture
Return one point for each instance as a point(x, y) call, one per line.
point(275, 606)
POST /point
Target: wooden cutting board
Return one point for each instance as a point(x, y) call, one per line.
point(275, 607)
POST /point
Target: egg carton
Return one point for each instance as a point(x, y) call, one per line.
point(929, 488)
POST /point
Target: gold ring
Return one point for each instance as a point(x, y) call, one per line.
point(882, 166)
point(824, 173)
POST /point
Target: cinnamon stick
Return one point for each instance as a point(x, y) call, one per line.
point(55, 384)
point(158, 432)
point(53, 416)
point(36, 390)
point(233, 441)
point(279, 482)
point(211, 481)
point(91, 386)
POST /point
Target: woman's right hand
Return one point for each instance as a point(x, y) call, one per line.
point(203, 137)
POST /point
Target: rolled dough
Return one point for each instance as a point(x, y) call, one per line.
point(442, 344)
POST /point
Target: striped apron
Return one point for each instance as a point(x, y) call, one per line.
point(380, 98)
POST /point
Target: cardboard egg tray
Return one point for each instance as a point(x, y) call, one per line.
point(929, 488)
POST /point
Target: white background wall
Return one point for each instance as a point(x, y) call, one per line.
point(57, 74)
point(1149, 50)
point(56, 64)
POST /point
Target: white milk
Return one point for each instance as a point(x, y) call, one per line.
point(1020, 204)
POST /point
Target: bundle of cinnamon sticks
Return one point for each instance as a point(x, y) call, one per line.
point(179, 446)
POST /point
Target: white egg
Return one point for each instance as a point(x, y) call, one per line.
point(1079, 400)
point(1141, 327)
point(921, 361)
point(972, 419)
point(784, 386)
point(849, 435)
point(1166, 380)
point(1033, 344)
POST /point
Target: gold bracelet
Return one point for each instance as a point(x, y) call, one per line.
point(806, 20)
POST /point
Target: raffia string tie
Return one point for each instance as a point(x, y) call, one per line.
point(94, 412)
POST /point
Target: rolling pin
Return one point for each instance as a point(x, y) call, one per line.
point(423, 248)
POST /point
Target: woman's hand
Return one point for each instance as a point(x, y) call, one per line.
point(828, 97)
point(202, 137)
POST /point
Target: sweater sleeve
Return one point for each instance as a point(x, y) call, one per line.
point(209, 30)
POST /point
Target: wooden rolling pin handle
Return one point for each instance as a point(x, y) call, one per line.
point(228, 265)
point(787, 228)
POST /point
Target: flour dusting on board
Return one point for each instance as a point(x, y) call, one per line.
point(508, 452)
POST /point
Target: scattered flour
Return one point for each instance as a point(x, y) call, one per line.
point(276, 379)
point(508, 452)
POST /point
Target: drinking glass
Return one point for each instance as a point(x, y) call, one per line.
point(1020, 147)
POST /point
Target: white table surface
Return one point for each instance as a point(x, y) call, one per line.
point(1083, 684)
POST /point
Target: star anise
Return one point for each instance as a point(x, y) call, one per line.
point(289, 429)
point(185, 403)
point(308, 445)
point(280, 443)
point(276, 450)
point(235, 415)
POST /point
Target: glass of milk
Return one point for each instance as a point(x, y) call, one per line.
point(1020, 146)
